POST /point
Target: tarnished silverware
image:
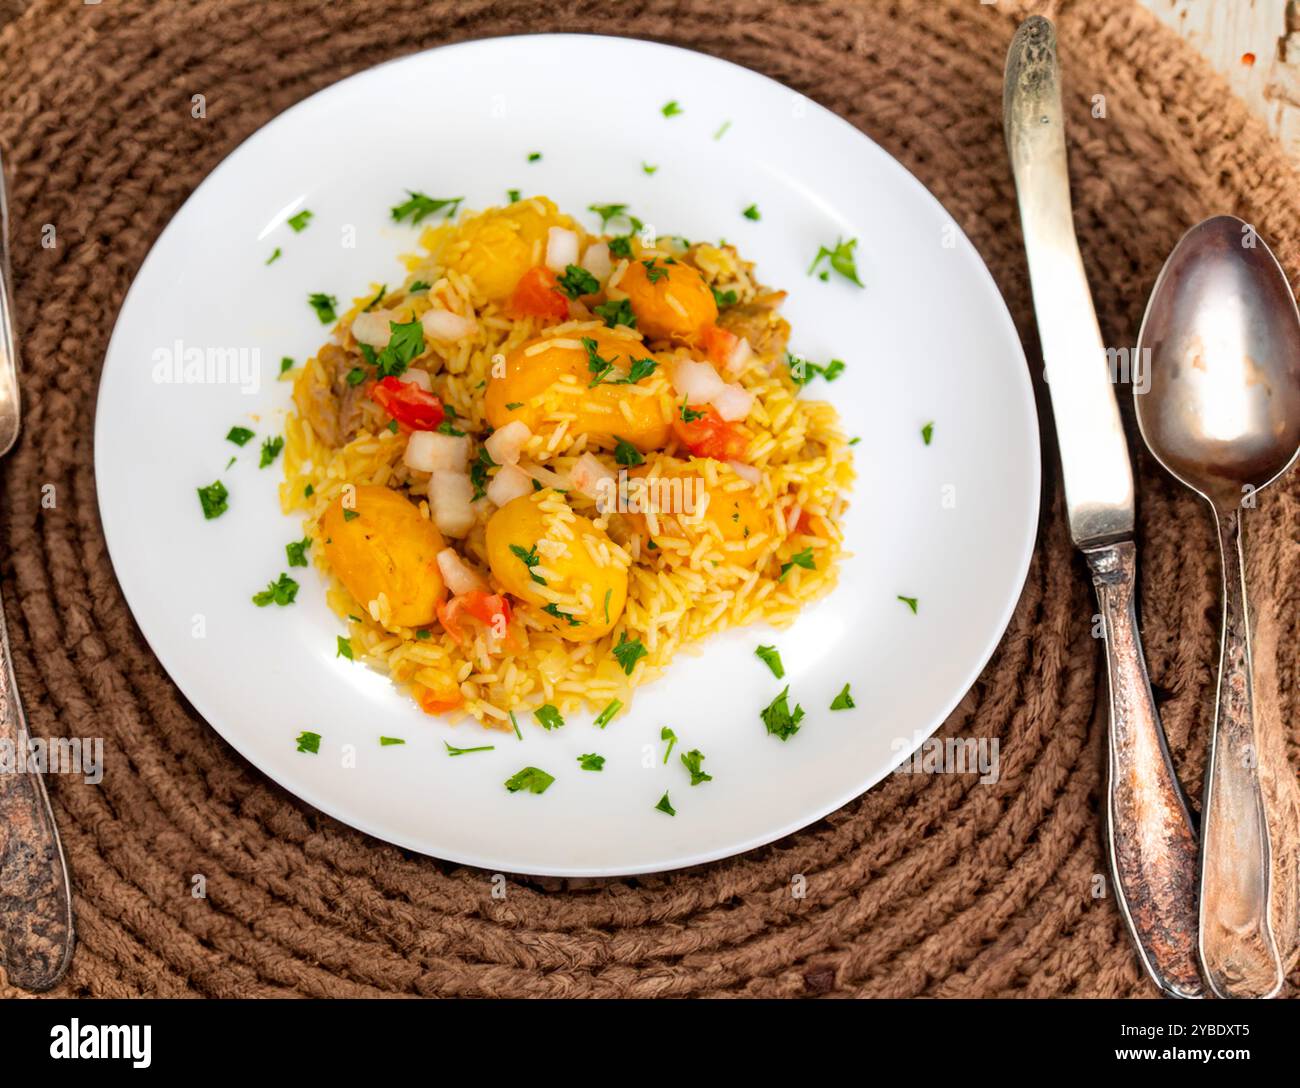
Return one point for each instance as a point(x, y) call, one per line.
point(1222, 414)
point(1150, 835)
point(35, 899)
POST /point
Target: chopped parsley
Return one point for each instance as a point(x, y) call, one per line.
point(383, 290)
point(530, 780)
point(799, 559)
point(554, 610)
point(722, 131)
point(689, 414)
point(843, 701)
point(392, 426)
point(778, 719)
point(534, 156)
point(629, 652)
point(841, 259)
point(671, 109)
point(802, 371)
point(448, 428)
point(640, 368)
point(239, 436)
point(213, 499)
point(350, 515)
point(529, 559)
point(927, 433)
point(591, 762)
point(752, 213)
point(478, 472)
point(608, 593)
point(577, 282)
point(308, 491)
point(423, 633)
point(296, 550)
point(653, 272)
point(298, 223)
point(615, 312)
point(417, 287)
point(607, 715)
point(911, 602)
point(514, 722)
point(286, 365)
point(356, 376)
point(513, 195)
point(646, 168)
point(548, 717)
point(282, 592)
point(723, 299)
point(405, 344)
point(665, 805)
point(230, 462)
point(420, 207)
point(466, 751)
point(772, 659)
point(607, 212)
point(621, 246)
point(627, 454)
point(309, 742)
point(386, 742)
point(276, 254)
point(691, 761)
point(344, 648)
point(513, 405)
point(270, 450)
point(324, 306)
point(667, 734)
point(595, 364)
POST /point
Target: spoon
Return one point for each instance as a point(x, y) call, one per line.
point(1222, 414)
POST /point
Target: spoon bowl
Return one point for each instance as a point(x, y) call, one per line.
point(1217, 394)
point(1222, 411)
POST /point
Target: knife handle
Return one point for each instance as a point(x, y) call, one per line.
point(35, 900)
point(1238, 949)
point(1149, 832)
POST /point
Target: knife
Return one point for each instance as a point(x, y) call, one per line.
point(35, 899)
point(1150, 837)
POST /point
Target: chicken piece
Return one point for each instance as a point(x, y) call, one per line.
point(760, 324)
point(325, 398)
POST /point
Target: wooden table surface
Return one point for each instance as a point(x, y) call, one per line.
point(1256, 45)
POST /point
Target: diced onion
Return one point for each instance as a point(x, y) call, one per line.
point(373, 329)
point(733, 403)
point(445, 325)
point(432, 451)
point(561, 249)
point(697, 382)
point(739, 357)
point(746, 472)
point(505, 444)
point(459, 576)
point(419, 377)
point(545, 476)
point(450, 495)
point(587, 476)
point(509, 483)
point(597, 261)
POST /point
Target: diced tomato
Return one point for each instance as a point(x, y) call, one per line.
point(438, 700)
point(538, 295)
point(804, 523)
point(718, 344)
point(412, 407)
point(710, 435)
point(490, 609)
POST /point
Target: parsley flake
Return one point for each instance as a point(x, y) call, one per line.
point(691, 761)
point(665, 805)
point(752, 213)
point(296, 550)
point(772, 659)
point(799, 559)
point(324, 306)
point(629, 652)
point(270, 450)
point(627, 454)
point(282, 592)
point(344, 648)
point(420, 206)
point(607, 715)
point(591, 762)
point(577, 282)
point(841, 259)
point(308, 742)
point(298, 223)
point(548, 717)
point(530, 780)
point(778, 719)
point(843, 701)
point(911, 602)
point(451, 751)
point(239, 436)
point(667, 734)
point(213, 499)
point(671, 109)
point(615, 312)
point(927, 433)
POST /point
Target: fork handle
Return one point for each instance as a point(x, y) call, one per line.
point(35, 901)
point(1149, 833)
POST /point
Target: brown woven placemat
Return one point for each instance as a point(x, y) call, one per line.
point(931, 885)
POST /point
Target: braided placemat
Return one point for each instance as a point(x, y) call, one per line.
point(931, 884)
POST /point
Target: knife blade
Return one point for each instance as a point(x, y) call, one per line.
point(1150, 838)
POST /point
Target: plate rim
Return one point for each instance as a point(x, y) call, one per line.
point(1027, 402)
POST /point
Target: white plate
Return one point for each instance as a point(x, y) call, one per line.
point(929, 338)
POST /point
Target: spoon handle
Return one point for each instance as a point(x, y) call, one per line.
point(1149, 833)
point(1237, 946)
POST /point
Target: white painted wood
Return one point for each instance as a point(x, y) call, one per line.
point(1225, 31)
